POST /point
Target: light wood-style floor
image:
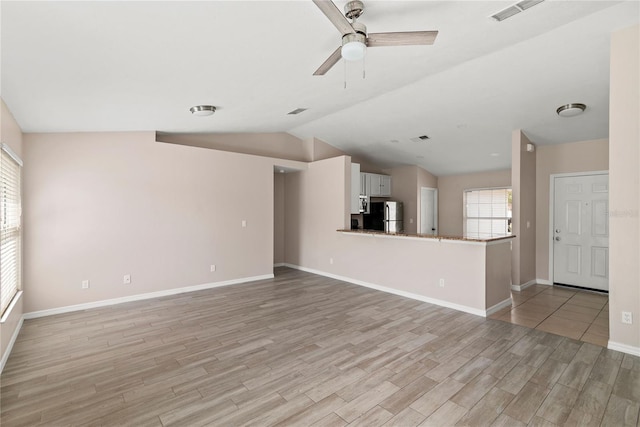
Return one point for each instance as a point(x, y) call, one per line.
point(307, 350)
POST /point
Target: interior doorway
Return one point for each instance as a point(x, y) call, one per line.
point(579, 235)
point(429, 211)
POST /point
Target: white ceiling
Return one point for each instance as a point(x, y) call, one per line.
point(120, 66)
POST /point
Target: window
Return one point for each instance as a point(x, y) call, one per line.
point(9, 226)
point(487, 212)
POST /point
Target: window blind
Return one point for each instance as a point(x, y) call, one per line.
point(487, 212)
point(10, 239)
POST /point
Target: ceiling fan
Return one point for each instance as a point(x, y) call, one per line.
point(355, 39)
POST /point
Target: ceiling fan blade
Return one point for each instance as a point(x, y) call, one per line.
point(409, 38)
point(335, 16)
point(330, 62)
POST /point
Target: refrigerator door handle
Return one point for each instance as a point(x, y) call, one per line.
point(386, 218)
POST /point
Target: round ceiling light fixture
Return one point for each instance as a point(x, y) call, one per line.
point(354, 45)
point(202, 110)
point(570, 110)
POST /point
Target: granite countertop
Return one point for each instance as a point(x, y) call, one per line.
point(428, 236)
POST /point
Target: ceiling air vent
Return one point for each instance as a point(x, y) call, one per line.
point(515, 9)
point(297, 111)
point(420, 138)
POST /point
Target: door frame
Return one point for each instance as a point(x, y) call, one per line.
point(435, 209)
point(552, 197)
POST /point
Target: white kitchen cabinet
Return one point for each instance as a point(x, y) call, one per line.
point(374, 188)
point(375, 185)
point(385, 186)
point(355, 188)
point(365, 183)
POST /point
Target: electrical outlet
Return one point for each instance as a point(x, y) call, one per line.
point(126, 279)
point(85, 284)
point(441, 284)
point(244, 223)
point(627, 317)
point(330, 260)
point(213, 268)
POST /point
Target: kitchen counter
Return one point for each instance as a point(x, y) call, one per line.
point(467, 274)
point(427, 236)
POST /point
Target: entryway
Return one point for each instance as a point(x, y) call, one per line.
point(578, 257)
point(569, 312)
point(579, 235)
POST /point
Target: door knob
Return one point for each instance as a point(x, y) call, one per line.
point(557, 238)
point(557, 230)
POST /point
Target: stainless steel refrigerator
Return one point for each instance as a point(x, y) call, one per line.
point(384, 216)
point(393, 217)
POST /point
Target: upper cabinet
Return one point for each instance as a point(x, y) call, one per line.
point(365, 184)
point(385, 185)
point(375, 185)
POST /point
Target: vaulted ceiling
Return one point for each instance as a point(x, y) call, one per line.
point(120, 66)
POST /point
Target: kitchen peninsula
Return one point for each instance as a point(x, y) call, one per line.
point(467, 274)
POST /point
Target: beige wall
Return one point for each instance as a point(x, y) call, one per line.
point(416, 265)
point(321, 150)
point(585, 156)
point(406, 182)
point(102, 205)
point(278, 218)
point(498, 273)
point(11, 135)
point(451, 200)
point(316, 204)
point(523, 184)
point(624, 196)
point(277, 144)
point(315, 208)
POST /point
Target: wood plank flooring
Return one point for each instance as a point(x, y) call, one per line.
point(302, 350)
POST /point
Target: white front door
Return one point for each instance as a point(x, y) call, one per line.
point(428, 211)
point(581, 231)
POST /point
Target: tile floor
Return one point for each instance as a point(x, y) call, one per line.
point(569, 312)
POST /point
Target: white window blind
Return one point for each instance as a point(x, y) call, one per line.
point(10, 212)
point(487, 213)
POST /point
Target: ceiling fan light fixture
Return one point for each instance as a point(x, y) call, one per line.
point(570, 110)
point(353, 47)
point(202, 110)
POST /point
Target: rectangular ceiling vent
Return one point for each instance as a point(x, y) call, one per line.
point(515, 9)
point(297, 111)
point(420, 138)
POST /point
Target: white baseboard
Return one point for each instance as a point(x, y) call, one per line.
point(459, 307)
point(499, 306)
point(529, 283)
point(279, 264)
point(524, 285)
point(14, 337)
point(103, 303)
point(624, 348)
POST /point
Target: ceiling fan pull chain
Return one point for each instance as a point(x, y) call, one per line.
point(345, 74)
point(363, 66)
